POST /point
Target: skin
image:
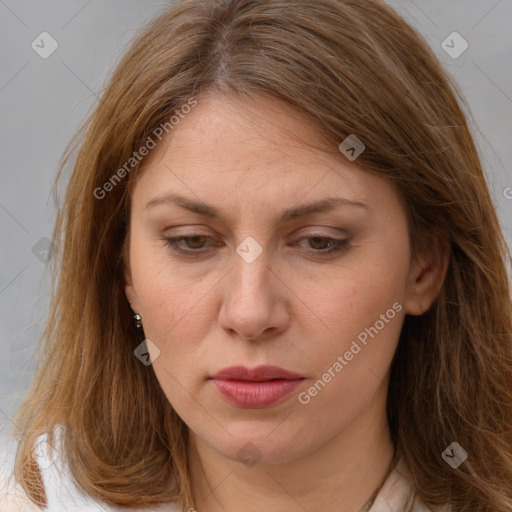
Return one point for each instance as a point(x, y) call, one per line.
point(291, 307)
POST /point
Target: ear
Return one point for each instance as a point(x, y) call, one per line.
point(427, 276)
point(129, 289)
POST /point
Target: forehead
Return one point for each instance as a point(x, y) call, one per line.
point(250, 151)
point(230, 127)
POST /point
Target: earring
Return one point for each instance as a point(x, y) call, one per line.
point(137, 321)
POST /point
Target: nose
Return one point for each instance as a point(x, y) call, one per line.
point(254, 304)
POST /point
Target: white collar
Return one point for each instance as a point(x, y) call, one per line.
point(396, 495)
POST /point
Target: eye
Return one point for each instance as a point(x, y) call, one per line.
point(325, 244)
point(194, 244)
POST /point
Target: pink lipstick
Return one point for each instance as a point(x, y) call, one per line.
point(255, 388)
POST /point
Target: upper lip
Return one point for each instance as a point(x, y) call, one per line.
point(259, 373)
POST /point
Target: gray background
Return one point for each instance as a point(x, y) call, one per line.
point(43, 101)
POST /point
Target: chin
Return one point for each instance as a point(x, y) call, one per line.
point(261, 446)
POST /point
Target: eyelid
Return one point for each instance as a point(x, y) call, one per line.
point(307, 234)
point(339, 232)
point(338, 245)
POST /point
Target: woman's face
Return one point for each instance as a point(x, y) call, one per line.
point(260, 283)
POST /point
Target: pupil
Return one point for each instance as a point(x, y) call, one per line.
point(196, 239)
point(317, 239)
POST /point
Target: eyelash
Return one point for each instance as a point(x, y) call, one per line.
point(338, 245)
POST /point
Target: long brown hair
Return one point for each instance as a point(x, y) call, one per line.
point(350, 67)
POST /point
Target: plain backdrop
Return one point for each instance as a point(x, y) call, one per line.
point(43, 101)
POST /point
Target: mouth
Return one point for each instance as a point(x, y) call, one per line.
point(255, 388)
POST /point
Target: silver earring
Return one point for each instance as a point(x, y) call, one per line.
point(137, 321)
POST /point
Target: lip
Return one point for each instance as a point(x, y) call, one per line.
point(259, 373)
point(257, 387)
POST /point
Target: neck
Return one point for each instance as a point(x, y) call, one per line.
point(340, 475)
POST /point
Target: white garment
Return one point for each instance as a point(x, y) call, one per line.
point(64, 495)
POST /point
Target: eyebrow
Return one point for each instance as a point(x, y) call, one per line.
point(287, 215)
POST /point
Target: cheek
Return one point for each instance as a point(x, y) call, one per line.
point(175, 314)
point(361, 312)
point(172, 312)
point(361, 327)
point(176, 318)
point(348, 367)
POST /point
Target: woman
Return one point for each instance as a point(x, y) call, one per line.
point(289, 205)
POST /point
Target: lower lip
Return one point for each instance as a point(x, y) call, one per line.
point(255, 395)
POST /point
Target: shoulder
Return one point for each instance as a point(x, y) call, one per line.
point(63, 494)
point(397, 494)
point(12, 495)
